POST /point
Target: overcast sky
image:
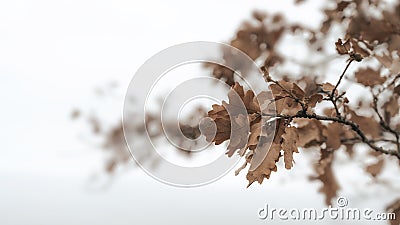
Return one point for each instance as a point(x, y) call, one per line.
point(54, 54)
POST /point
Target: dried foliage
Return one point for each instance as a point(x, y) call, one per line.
point(296, 124)
point(311, 113)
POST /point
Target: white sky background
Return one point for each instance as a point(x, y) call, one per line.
point(54, 54)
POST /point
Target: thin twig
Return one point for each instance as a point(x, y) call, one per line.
point(290, 94)
point(382, 122)
point(332, 95)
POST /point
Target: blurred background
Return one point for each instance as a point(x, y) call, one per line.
point(59, 56)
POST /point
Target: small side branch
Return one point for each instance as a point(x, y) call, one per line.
point(332, 97)
point(352, 125)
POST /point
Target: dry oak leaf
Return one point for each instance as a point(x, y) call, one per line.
point(328, 88)
point(313, 100)
point(259, 132)
point(355, 44)
point(241, 102)
point(234, 120)
point(343, 48)
point(309, 131)
point(333, 133)
point(283, 87)
point(392, 107)
point(260, 137)
point(264, 168)
point(375, 29)
point(287, 96)
point(289, 145)
point(397, 90)
point(369, 77)
point(325, 174)
point(348, 135)
point(367, 125)
point(221, 133)
point(266, 154)
point(351, 47)
point(375, 168)
point(218, 111)
point(239, 134)
point(387, 61)
point(287, 106)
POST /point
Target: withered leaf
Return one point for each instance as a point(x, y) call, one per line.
point(284, 87)
point(287, 106)
point(328, 88)
point(310, 132)
point(222, 133)
point(397, 90)
point(326, 176)
point(314, 99)
point(342, 48)
point(332, 133)
point(369, 77)
point(241, 102)
point(375, 168)
point(267, 164)
point(289, 145)
point(355, 44)
point(392, 107)
point(388, 62)
point(239, 134)
point(287, 97)
point(368, 125)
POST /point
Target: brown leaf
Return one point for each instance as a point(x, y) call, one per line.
point(342, 5)
point(279, 130)
point(310, 132)
point(374, 29)
point(328, 87)
point(218, 111)
point(255, 133)
point(287, 106)
point(289, 145)
point(314, 99)
point(258, 15)
point(387, 61)
point(223, 132)
point(191, 132)
point(239, 134)
point(267, 164)
point(369, 77)
point(342, 48)
point(392, 107)
point(397, 90)
point(332, 133)
point(375, 168)
point(326, 176)
point(284, 87)
point(241, 102)
point(358, 49)
point(368, 125)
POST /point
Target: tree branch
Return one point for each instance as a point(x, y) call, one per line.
point(352, 125)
